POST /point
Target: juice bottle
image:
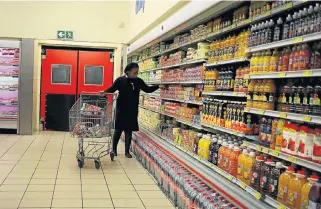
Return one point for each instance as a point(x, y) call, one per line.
point(274, 179)
point(249, 161)
point(226, 157)
point(269, 94)
point(206, 148)
point(213, 144)
point(266, 169)
point(256, 94)
point(295, 187)
point(256, 172)
point(285, 59)
point(221, 152)
point(284, 182)
point(200, 146)
point(274, 61)
point(280, 60)
point(260, 89)
point(266, 61)
point(306, 189)
point(296, 58)
point(233, 161)
point(240, 164)
point(292, 59)
point(304, 57)
point(216, 147)
point(260, 62)
point(315, 195)
point(250, 94)
point(253, 63)
point(196, 141)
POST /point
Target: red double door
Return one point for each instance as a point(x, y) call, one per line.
point(65, 75)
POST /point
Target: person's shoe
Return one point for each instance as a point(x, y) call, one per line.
point(128, 155)
point(115, 153)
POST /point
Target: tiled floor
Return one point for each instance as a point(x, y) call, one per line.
point(41, 171)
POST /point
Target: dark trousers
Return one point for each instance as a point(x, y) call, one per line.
point(128, 139)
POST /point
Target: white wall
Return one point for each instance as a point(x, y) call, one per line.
point(91, 21)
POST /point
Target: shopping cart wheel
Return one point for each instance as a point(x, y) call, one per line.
point(80, 163)
point(112, 156)
point(97, 164)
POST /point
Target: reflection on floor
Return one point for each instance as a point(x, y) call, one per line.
point(41, 171)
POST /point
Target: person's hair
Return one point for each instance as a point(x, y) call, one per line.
point(131, 66)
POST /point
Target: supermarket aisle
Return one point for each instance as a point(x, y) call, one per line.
point(41, 172)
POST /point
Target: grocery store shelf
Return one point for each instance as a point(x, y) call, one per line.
point(224, 62)
point(287, 74)
point(178, 119)
point(305, 163)
point(8, 123)
point(191, 62)
point(285, 115)
point(224, 93)
point(175, 100)
point(176, 82)
point(227, 182)
point(287, 42)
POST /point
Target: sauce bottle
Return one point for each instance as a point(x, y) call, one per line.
point(241, 163)
point(266, 175)
point(274, 179)
point(306, 190)
point(249, 161)
point(295, 187)
point(284, 182)
point(233, 161)
point(256, 172)
point(269, 94)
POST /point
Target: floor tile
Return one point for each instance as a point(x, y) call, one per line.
point(12, 188)
point(12, 204)
point(156, 202)
point(146, 187)
point(96, 195)
point(94, 188)
point(40, 188)
point(68, 188)
point(68, 181)
point(67, 195)
point(127, 203)
point(35, 202)
point(66, 203)
point(11, 195)
point(93, 181)
point(43, 181)
point(121, 188)
point(99, 203)
point(40, 195)
point(17, 181)
point(124, 194)
point(151, 194)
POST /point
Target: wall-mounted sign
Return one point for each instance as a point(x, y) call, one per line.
point(64, 34)
point(140, 5)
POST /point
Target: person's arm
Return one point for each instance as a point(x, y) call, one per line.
point(113, 87)
point(147, 89)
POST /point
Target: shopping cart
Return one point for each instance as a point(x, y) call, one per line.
point(92, 121)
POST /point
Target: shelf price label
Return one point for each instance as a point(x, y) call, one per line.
point(275, 153)
point(267, 13)
point(306, 118)
point(246, 109)
point(298, 40)
point(289, 5)
point(292, 159)
point(281, 207)
point(219, 171)
point(283, 115)
point(257, 195)
point(281, 75)
point(219, 93)
point(246, 76)
point(230, 177)
point(307, 73)
point(234, 93)
point(261, 112)
point(265, 150)
point(242, 185)
point(258, 148)
point(245, 143)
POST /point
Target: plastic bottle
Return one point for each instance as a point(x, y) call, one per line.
point(286, 27)
point(304, 57)
point(284, 182)
point(274, 179)
point(295, 187)
point(226, 157)
point(292, 59)
point(256, 172)
point(201, 146)
point(253, 63)
point(213, 143)
point(296, 58)
point(233, 161)
point(249, 161)
point(266, 61)
point(306, 190)
point(277, 34)
point(196, 141)
point(249, 101)
point(221, 152)
point(273, 66)
point(216, 148)
point(206, 148)
point(266, 169)
point(240, 163)
point(315, 195)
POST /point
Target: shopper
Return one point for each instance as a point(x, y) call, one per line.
point(128, 87)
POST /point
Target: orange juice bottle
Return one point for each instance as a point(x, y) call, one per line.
point(250, 94)
point(226, 157)
point(295, 187)
point(268, 95)
point(233, 162)
point(260, 89)
point(206, 147)
point(221, 152)
point(200, 146)
point(284, 182)
point(274, 61)
point(256, 94)
point(253, 63)
point(266, 61)
point(260, 62)
point(240, 164)
point(305, 191)
point(249, 161)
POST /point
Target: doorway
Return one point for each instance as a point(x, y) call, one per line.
point(65, 74)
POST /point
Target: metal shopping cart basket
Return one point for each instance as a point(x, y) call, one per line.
point(92, 121)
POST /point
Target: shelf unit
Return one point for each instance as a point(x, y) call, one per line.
point(191, 62)
point(175, 82)
point(176, 100)
point(224, 93)
point(251, 196)
point(285, 115)
point(287, 74)
point(225, 62)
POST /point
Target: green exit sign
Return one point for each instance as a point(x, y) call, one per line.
point(65, 34)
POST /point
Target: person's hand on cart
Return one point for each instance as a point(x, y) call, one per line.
point(103, 93)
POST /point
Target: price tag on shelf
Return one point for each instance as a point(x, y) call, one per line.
point(245, 143)
point(209, 164)
point(307, 73)
point(258, 148)
point(257, 195)
point(246, 76)
point(233, 26)
point(265, 150)
point(242, 185)
point(267, 13)
point(289, 5)
point(261, 112)
point(281, 207)
point(235, 133)
point(275, 153)
point(219, 171)
point(306, 118)
point(283, 115)
point(298, 40)
point(281, 75)
point(234, 93)
point(246, 109)
point(219, 93)
point(292, 159)
point(230, 177)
